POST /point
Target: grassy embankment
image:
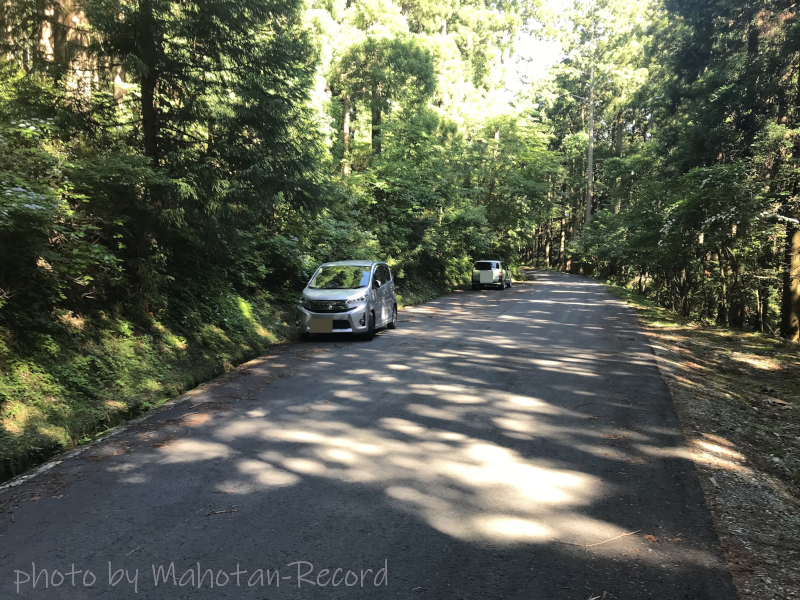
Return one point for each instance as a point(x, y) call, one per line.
point(745, 386)
point(65, 381)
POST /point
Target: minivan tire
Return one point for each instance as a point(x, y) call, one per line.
point(393, 323)
point(370, 327)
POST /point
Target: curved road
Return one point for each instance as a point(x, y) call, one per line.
point(497, 445)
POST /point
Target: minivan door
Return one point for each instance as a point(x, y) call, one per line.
point(379, 289)
point(389, 299)
point(385, 293)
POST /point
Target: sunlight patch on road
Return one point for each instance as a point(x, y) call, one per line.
point(531, 405)
point(351, 395)
point(267, 474)
point(466, 488)
point(184, 451)
point(423, 410)
point(514, 530)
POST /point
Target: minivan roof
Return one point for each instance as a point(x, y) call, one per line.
point(489, 260)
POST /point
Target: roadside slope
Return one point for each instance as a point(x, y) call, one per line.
point(738, 398)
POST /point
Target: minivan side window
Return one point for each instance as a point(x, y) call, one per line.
point(382, 274)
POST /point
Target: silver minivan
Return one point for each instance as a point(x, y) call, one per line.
point(490, 272)
point(348, 296)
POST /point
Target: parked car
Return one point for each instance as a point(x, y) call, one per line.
point(349, 296)
point(488, 272)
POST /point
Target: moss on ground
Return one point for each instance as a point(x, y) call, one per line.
point(68, 380)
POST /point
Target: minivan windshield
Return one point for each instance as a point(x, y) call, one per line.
point(340, 277)
point(485, 266)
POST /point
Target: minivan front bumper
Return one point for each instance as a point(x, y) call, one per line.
point(352, 321)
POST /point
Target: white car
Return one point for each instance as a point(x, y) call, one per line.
point(490, 272)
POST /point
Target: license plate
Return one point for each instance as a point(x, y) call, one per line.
point(487, 276)
point(320, 326)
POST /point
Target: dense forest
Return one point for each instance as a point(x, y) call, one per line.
point(694, 193)
point(172, 172)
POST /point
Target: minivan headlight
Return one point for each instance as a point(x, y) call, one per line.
point(355, 301)
point(305, 302)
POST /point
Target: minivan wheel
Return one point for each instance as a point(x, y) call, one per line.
point(474, 287)
point(370, 327)
point(393, 322)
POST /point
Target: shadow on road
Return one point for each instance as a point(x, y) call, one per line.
point(498, 445)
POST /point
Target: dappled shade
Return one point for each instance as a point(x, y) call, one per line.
point(525, 431)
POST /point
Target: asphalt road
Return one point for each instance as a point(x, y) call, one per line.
point(489, 448)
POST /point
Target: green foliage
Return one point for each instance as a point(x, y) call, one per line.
point(695, 184)
point(172, 171)
point(64, 381)
point(399, 65)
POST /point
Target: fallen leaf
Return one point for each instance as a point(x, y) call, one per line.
point(651, 538)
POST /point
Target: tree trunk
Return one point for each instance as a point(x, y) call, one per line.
point(573, 217)
point(790, 299)
point(148, 52)
point(539, 247)
point(590, 166)
point(762, 302)
point(737, 296)
point(26, 58)
point(376, 118)
point(547, 244)
point(561, 254)
point(618, 131)
point(346, 134)
point(683, 293)
point(790, 304)
point(722, 303)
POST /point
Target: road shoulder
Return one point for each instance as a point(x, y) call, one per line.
point(737, 396)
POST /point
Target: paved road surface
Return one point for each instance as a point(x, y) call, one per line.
point(484, 450)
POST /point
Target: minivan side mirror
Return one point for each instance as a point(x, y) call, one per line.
point(376, 284)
